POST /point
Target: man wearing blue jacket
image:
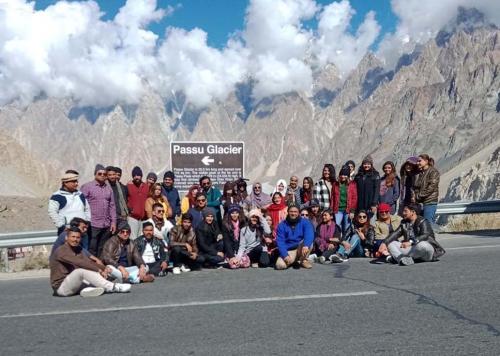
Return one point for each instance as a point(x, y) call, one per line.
point(294, 238)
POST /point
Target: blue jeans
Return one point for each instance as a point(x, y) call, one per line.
point(342, 220)
point(429, 212)
point(356, 249)
point(133, 274)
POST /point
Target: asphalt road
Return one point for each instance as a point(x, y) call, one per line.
point(447, 307)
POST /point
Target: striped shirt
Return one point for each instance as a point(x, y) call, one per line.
point(102, 204)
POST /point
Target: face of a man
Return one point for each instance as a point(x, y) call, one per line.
point(100, 176)
point(205, 184)
point(112, 176)
point(201, 202)
point(293, 213)
point(124, 235)
point(168, 182)
point(294, 182)
point(186, 225)
point(118, 176)
point(409, 214)
point(73, 239)
point(71, 186)
point(137, 180)
point(158, 212)
point(148, 232)
point(209, 219)
point(83, 227)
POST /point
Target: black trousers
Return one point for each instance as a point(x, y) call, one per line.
point(180, 256)
point(97, 239)
point(258, 256)
point(155, 267)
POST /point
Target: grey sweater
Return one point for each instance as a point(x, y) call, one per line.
point(251, 239)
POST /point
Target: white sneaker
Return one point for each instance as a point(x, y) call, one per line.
point(184, 269)
point(121, 288)
point(312, 257)
point(176, 270)
point(91, 292)
point(321, 259)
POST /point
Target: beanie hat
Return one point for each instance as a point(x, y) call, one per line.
point(368, 159)
point(208, 211)
point(384, 207)
point(412, 160)
point(136, 172)
point(68, 177)
point(152, 175)
point(232, 208)
point(313, 202)
point(99, 167)
point(254, 212)
point(345, 171)
point(169, 174)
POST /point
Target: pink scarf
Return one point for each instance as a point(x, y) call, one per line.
point(236, 229)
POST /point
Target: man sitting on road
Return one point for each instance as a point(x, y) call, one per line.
point(79, 223)
point(294, 238)
point(418, 242)
point(72, 271)
point(152, 250)
point(385, 225)
point(122, 257)
point(183, 247)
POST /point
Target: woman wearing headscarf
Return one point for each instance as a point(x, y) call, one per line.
point(277, 210)
point(189, 200)
point(209, 239)
point(281, 187)
point(389, 186)
point(368, 184)
point(408, 174)
point(323, 188)
point(257, 199)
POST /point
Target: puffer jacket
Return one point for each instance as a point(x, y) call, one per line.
point(111, 252)
point(427, 186)
point(420, 230)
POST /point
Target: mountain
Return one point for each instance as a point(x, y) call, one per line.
point(443, 99)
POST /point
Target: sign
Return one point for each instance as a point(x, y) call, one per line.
point(221, 161)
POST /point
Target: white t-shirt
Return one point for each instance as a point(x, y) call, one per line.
point(148, 255)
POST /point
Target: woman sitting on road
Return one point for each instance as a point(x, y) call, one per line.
point(252, 240)
point(232, 224)
point(327, 237)
point(209, 239)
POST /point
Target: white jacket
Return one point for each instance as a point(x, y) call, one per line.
point(64, 206)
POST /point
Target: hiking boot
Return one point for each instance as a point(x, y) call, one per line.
point(306, 264)
point(121, 288)
point(91, 292)
point(148, 278)
point(336, 258)
point(406, 261)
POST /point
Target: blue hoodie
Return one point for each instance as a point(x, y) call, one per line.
point(288, 238)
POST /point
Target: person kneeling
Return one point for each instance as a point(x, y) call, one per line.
point(183, 247)
point(121, 255)
point(152, 250)
point(209, 239)
point(72, 271)
point(294, 238)
point(419, 242)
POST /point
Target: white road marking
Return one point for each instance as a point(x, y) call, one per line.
point(471, 247)
point(191, 304)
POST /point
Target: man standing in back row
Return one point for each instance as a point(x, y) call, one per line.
point(137, 194)
point(168, 190)
point(102, 210)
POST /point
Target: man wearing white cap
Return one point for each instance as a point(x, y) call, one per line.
point(68, 202)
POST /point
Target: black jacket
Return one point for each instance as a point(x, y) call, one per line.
point(231, 245)
point(369, 236)
point(368, 184)
point(157, 246)
point(206, 238)
point(421, 230)
point(124, 189)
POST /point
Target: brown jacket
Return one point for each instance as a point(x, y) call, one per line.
point(179, 237)
point(111, 253)
point(427, 186)
point(382, 229)
point(65, 260)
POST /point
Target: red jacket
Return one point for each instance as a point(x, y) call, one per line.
point(136, 202)
point(352, 197)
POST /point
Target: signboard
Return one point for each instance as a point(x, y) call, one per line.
point(221, 161)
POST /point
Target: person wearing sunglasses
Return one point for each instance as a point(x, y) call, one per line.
point(213, 196)
point(414, 240)
point(258, 199)
point(102, 210)
point(197, 211)
point(121, 255)
point(385, 225)
point(358, 240)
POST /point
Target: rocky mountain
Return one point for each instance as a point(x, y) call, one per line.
point(443, 99)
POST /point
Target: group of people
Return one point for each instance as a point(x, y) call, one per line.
point(112, 235)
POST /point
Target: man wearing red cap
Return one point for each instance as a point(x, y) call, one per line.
point(385, 225)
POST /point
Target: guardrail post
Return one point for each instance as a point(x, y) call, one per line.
point(4, 257)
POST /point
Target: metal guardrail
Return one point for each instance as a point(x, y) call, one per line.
point(34, 238)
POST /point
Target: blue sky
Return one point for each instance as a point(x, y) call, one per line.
point(221, 18)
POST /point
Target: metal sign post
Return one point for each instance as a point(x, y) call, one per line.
point(221, 161)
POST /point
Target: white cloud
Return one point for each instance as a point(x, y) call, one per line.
point(420, 20)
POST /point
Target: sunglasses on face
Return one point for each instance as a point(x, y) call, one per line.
point(201, 200)
point(160, 211)
point(304, 214)
point(362, 217)
point(125, 232)
point(100, 174)
point(256, 188)
point(205, 183)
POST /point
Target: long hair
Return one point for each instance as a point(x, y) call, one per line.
point(390, 179)
point(192, 200)
point(402, 172)
point(366, 225)
point(226, 221)
point(331, 169)
point(428, 159)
